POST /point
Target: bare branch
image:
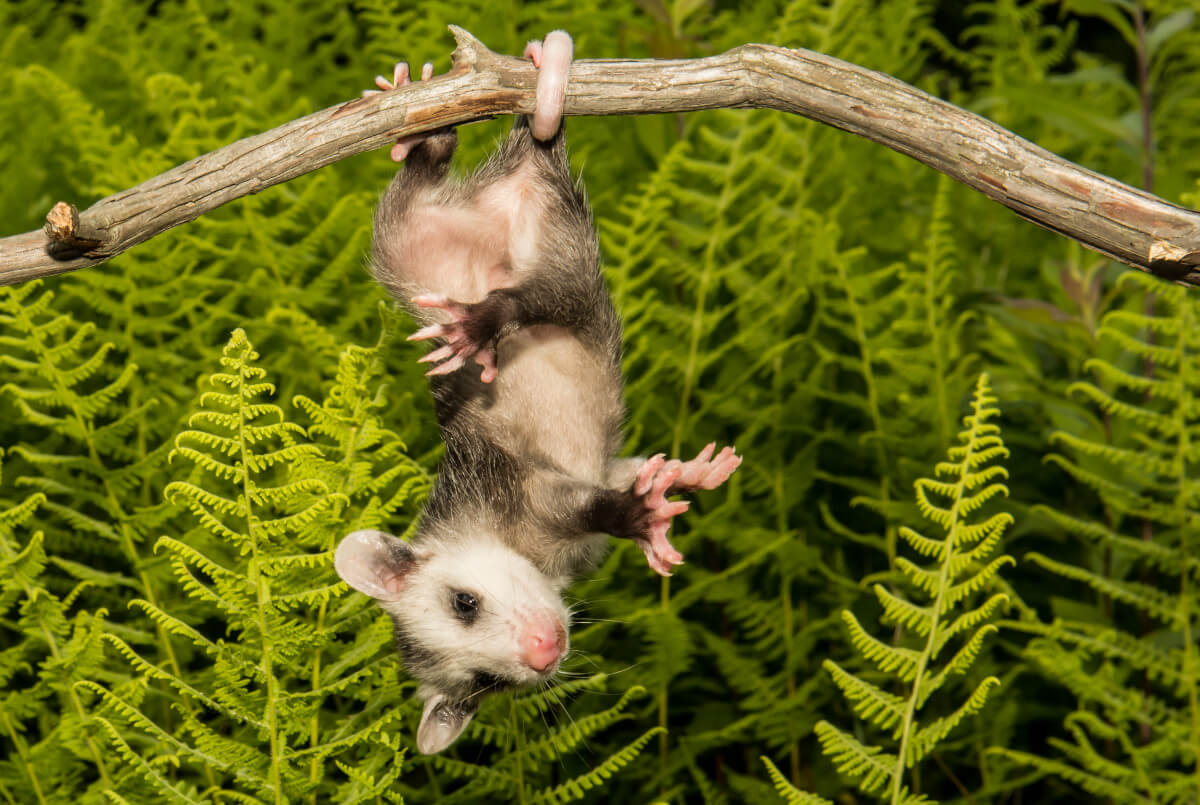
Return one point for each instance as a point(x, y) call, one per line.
point(1112, 218)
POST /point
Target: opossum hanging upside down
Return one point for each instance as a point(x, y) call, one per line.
point(503, 271)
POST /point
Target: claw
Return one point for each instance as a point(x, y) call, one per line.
point(438, 355)
point(432, 331)
point(645, 476)
point(446, 368)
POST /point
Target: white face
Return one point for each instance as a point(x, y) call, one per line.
point(482, 609)
point(471, 616)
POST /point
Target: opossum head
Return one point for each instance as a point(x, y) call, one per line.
point(472, 617)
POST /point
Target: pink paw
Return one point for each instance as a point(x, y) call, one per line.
point(400, 78)
point(652, 483)
point(704, 471)
point(459, 346)
point(658, 478)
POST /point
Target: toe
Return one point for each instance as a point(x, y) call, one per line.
point(534, 51)
point(432, 331)
point(656, 563)
point(645, 476)
point(662, 482)
point(439, 354)
point(452, 365)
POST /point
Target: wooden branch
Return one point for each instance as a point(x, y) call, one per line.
point(1114, 219)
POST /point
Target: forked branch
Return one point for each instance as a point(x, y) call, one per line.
point(1103, 214)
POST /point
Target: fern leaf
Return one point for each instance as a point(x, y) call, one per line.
point(947, 584)
point(788, 792)
point(869, 766)
point(577, 787)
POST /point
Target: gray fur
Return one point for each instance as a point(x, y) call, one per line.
point(515, 459)
point(529, 485)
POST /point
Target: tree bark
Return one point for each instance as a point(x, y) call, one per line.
point(1119, 221)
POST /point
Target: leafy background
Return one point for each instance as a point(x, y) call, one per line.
point(188, 429)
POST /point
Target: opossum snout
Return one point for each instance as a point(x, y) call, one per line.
point(543, 642)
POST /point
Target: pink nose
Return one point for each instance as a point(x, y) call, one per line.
point(543, 644)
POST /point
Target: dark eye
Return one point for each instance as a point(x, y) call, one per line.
point(466, 607)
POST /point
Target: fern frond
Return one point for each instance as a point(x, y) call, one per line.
point(897, 660)
point(1092, 783)
point(788, 792)
point(884, 709)
point(868, 766)
point(956, 576)
point(1149, 599)
point(577, 787)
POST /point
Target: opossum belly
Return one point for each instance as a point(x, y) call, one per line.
point(556, 399)
point(449, 250)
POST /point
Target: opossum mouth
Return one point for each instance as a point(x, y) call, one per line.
point(489, 682)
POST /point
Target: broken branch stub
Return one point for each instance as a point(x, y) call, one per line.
point(1103, 214)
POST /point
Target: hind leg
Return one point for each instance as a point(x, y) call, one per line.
point(521, 186)
point(400, 78)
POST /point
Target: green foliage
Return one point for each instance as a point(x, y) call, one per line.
point(1132, 662)
point(962, 568)
point(171, 628)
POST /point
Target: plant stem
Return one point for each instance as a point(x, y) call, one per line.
point(23, 753)
point(261, 588)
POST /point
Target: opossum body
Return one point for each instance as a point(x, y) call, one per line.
point(503, 269)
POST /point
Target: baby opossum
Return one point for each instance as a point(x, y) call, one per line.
point(503, 270)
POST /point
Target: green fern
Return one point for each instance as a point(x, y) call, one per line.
point(45, 652)
point(962, 568)
point(256, 493)
point(1142, 477)
point(788, 792)
point(787, 287)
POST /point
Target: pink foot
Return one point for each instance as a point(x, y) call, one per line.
point(400, 78)
point(704, 471)
point(533, 52)
point(658, 478)
point(460, 343)
point(652, 483)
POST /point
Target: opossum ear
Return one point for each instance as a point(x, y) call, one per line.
point(442, 722)
point(374, 563)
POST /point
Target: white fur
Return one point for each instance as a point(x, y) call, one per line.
point(512, 594)
point(543, 365)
